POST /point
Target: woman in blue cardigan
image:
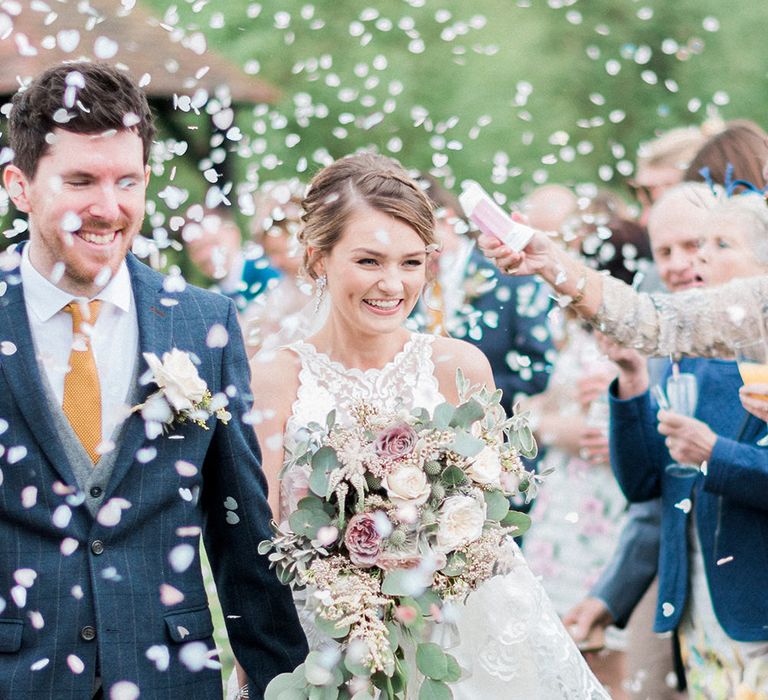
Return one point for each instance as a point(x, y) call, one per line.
point(713, 563)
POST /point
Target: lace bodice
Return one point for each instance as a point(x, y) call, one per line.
point(698, 322)
point(407, 380)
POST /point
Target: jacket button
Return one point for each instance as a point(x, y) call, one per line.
point(88, 633)
point(97, 547)
point(96, 491)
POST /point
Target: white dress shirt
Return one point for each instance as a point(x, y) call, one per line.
point(114, 340)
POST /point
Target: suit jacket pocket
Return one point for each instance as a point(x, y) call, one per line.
point(10, 635)
point(189, 625)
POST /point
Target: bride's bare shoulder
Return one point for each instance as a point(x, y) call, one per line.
point(450, 354)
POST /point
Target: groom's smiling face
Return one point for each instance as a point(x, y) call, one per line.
point(85, 204)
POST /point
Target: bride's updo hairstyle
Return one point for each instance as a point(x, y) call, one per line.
point(363, 179)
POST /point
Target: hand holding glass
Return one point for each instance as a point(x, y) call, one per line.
point(682, 397)
point(752, 360)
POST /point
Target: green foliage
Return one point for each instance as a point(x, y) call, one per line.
point(497, 505)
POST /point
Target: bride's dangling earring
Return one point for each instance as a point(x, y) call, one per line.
point(320, 284)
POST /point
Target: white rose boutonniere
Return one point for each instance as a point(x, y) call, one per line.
point(185, 393)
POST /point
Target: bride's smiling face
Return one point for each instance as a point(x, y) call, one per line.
point(375, 271)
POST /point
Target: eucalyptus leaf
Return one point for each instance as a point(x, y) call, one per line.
point(265, 547)
point(308, 522)
point(528, 447)
point(324, 693)
point(330, 628)
point(518, 520)
point(497, 505)
point(285, 683)
point(431, 660)
point(457, 562)
point(454, 670)
point(400, 582)
point(466, 414)
point(466, 444)
point(427, 599)
point(442, 416)
point(434, 690)
point(311, 503)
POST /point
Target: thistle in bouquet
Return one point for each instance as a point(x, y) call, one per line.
point(407, 512)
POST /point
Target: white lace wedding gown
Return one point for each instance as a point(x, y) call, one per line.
point(512, 644)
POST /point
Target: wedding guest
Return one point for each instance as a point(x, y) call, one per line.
point(737, 153)
point(213, 244)
point(663, 161)
point(284, 311)
point(102, 505)
point(708, 533)
point(548, 207)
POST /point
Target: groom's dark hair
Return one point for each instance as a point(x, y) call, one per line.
point(83, 98)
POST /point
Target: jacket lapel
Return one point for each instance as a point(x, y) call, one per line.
point(22, 373)
point(155, 336)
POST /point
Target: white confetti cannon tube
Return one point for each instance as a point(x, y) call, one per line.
point(490, 218)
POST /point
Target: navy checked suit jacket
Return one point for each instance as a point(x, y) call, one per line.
point(115, 588)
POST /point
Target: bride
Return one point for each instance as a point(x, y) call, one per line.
point(368, 230)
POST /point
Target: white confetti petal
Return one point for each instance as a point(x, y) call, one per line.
point(160, 656)
point(19, 596)
point(39, 665)
point(75, 664)
point(105, 48)
point(217, 337)
point(170, 595)
point(181, 557)
point(36, 619)
point(29, 496)
point(61, 516)
point(16, 454)
point(667, 609)
point(25, 577)
point(68, 546)
point(124, 690)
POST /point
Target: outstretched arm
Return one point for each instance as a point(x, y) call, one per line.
point(698, 322)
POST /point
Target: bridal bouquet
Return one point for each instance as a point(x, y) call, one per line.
point(405, 513)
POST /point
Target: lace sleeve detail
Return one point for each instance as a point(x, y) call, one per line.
point(699, 322)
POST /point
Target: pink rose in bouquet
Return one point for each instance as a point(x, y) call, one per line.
point(396, 441)
point(363, 540)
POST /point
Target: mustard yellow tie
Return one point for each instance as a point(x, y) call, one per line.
point(82, 393)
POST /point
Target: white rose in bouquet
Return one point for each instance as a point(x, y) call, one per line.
point(177, 376)
point(460, 522)
point(407, 485)
point(485, 468)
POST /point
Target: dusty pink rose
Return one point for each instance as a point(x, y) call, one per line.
point(396, 441)
point(363, 540)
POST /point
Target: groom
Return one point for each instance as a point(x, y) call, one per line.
point(101, 593)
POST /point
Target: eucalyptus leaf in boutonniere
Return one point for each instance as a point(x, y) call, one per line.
point(182, 395)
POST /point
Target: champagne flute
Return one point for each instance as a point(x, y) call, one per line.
point(682, 397)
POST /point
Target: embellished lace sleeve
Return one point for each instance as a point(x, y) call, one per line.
point(698, 322)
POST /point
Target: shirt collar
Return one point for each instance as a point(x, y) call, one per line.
point(45, 299)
